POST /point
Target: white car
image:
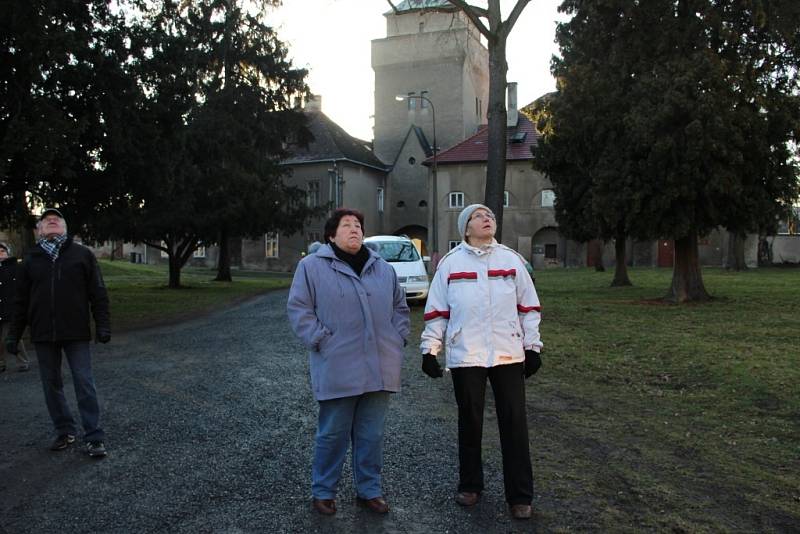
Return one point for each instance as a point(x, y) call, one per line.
point(400, 253)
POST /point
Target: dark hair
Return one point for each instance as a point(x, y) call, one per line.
point(333, 221)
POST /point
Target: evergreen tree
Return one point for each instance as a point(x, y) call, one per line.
point(61, 78)
point(690, 127)
point(207, 132)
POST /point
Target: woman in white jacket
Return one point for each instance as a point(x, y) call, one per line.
point(483, 309)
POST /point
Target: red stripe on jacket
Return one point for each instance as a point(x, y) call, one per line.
point(526, 309)
point(437, 313)
point(462, 276)
point(503, 272)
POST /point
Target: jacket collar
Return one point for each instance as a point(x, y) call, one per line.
point(326, 251)
point(37, 250)
point(480, 251)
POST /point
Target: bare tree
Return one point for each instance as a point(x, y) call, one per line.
point(490, 23)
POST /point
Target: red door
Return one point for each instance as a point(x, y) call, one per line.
point(666, 253)
point(594, 253)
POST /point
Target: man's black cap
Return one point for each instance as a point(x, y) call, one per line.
point(48, 211)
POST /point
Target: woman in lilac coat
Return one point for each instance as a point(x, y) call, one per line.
point(348, 308)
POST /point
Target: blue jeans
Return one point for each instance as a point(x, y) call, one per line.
point(80, 364)
point(359, 420)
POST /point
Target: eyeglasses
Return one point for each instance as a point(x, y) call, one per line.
point(482, 215)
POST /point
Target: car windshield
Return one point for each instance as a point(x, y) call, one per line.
point(397, 251)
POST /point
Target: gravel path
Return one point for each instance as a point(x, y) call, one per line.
point(210, 428)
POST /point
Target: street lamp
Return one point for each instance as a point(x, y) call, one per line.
point(434, 208)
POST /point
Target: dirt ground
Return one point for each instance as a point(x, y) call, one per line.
point(210, 428)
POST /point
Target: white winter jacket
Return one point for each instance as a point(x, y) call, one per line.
point(483, 306)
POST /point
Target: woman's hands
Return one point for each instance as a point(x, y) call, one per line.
point(532, 362)
point(430, 366)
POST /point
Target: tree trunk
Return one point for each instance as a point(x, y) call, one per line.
point(621, 270)
point(687, 279)
point(764, 252)
point(224, 260)
point(497, 115)
point(174, 270)
point(735, 260)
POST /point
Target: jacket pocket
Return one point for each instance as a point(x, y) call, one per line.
point(516, 330)
point(452, 337)
point(324, 341)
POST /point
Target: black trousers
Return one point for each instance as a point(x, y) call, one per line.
point(508, 386)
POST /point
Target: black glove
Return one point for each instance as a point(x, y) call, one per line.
point(103, 336)
point(12, 345)
point(430, 366)
point(532, 362)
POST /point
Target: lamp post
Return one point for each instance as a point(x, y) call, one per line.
point(434, 207)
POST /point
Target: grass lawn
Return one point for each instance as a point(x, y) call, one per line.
point(692, 407)
point(656, 417)
point(140, 297)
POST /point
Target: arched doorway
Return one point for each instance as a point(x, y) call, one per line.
point(417, 234)
point(545, 248)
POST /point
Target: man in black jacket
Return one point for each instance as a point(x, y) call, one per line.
point(8, 294)
point(58, 285)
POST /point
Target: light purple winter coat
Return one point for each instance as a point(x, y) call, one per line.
point(354, 327)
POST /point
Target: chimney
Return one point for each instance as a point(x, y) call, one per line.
point(511, 104)
point(314, 103)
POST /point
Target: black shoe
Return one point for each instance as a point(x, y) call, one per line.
point(96, 449)
point(62, 442)
point(467, 498)
point(521, 511)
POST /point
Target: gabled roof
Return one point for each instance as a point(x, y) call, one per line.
point(419, 135)
point(331, 142)
point(411, 5)
point(475, 149)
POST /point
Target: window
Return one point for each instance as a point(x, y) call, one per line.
point(271, 245)
point(518, 137)
point(548, 198)
point(199, 252)
point(312, 195)
point(412, 160)
point(550, 250)
point(452, 244)
point(505, 199)
point(423, 203)
point(380, 199)
point(412, 101)
point(456, 199)
point(401, 203)
point(422, 102)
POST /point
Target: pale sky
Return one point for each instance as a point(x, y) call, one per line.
point(332, 39)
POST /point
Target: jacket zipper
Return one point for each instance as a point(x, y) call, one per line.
point(53, 297)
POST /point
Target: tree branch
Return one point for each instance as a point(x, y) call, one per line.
point(515, 13)
point(474, 14)
point(156, 246)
